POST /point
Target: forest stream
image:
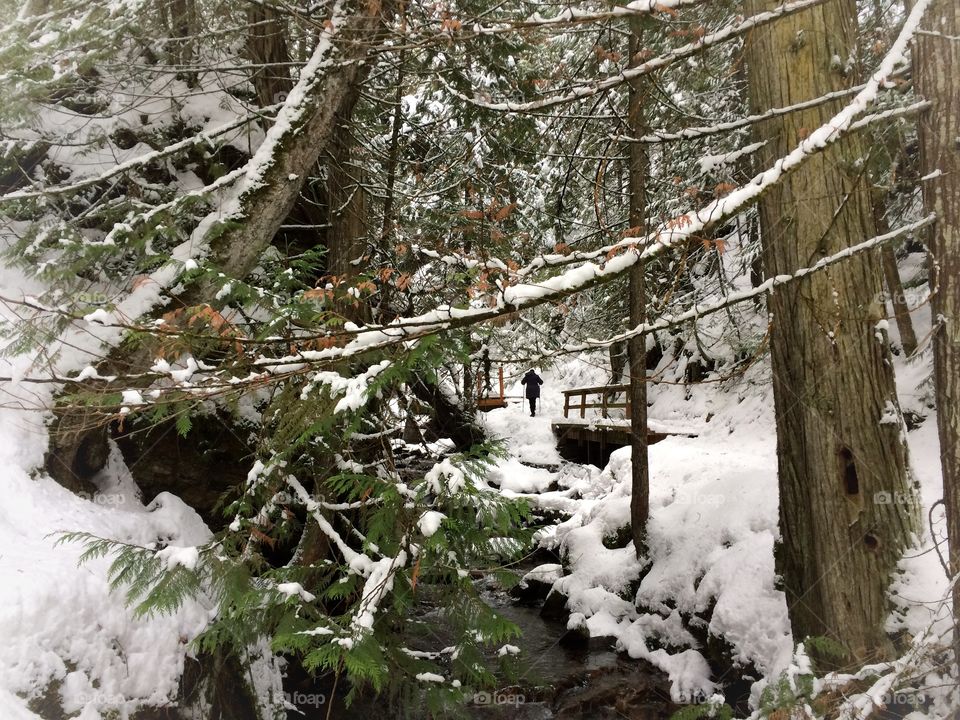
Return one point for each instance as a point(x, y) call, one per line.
point(563, 676)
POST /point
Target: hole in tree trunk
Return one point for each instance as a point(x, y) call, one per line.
point(871, 541)
point(848, 472)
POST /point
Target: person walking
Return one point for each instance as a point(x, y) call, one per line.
point(533, 383)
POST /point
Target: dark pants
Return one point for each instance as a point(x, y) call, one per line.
point(533, 405)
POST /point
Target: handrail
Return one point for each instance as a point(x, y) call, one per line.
point(481, 382)
point(605, 391)
point(597, 389)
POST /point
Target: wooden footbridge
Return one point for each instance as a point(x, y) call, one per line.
point(585, 434)
point(596, 420)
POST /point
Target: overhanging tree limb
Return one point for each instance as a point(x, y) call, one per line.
point(234, 236)
point(649, 66)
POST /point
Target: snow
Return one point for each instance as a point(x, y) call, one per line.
point(100, 316)
point(295, 589)
point(514, 476)
point(131, 662)
point(378, 585)
point(547, 573)
point(445, 477)
point(185, 557)
point(711, 534)
point(132, 397)
point(429, 522)
point(430, 677)
point(60, 622)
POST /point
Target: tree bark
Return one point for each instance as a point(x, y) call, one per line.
point(847, 510)
point(183, 27)
point(637, 345)
point(347, 212)
point(382, 312)
point(267, 50)
point(266, 203)
point(937, 63)
point(901, 309)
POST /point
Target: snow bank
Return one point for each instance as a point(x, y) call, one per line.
point(65, 635)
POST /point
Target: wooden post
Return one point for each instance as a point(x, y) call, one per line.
point(566, 404)
point(501, 382)
point(583, 404)
point(603, 409)
point(627, 406)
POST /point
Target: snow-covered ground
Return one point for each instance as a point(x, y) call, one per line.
point(63, 631)
point(713, 524)
point(712, 530)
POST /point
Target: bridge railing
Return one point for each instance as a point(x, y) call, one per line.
point(575, 400)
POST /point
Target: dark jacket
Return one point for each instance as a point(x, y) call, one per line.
point(533, 383)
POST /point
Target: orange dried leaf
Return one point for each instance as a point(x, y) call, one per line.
point(504, 212)
point(263, 537)
point(614, 251)
point(139, 281)
point(415, 575)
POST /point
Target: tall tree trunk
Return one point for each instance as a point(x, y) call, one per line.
point(267, 51)
point(937, 63)
point(347, 208)
point(637, 345)
point(901, 309)
point(383, 313)
point(183, 27)
point(847, 510)
point(393, 154)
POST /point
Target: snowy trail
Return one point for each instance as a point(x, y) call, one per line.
point(713, 525)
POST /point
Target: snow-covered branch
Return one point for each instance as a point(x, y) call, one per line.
point(692, 133)
point(201, 138)
point(768, 286)
point(649, 66)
